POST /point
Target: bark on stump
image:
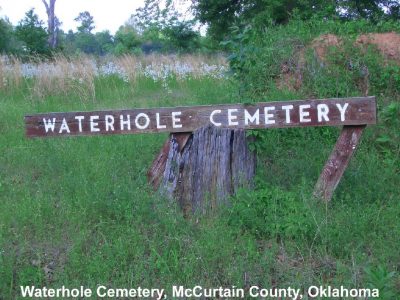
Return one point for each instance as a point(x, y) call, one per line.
point(202, 169)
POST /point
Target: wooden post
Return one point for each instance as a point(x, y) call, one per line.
point(201, 170)
point(338, 161)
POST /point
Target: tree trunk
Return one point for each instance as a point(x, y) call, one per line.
point(51, 23)
point(200, 170)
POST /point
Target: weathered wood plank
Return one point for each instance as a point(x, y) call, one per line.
point(318, 112)
point(338, 161)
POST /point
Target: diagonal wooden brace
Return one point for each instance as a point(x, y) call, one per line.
point(338, 161)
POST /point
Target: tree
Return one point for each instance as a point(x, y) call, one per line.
point(163, 29)
point(84, 39)
point(182, 37)
point(150, 15)
point(105, 42)
point(6, 35)
point(87, 23)
point(69, 41)
point(369, 9)
point(220, 15)
point(86, 42)
point(127, 40)
point(153, 39)
point(52, 22)
point(31, 32)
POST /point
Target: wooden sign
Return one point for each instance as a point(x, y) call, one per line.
point(320, 112)
point(351, 113)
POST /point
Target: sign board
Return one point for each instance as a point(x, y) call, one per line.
point(351, 113)
point(300, 113)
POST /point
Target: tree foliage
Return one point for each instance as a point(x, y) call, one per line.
point(147, 16)
point(105, 42)
point(86, 22)
point(369, 9)
point(164, 28)
point(220, 15)
point(182, 37)
point(6, 33)
point(31, 33)
point(127, 40)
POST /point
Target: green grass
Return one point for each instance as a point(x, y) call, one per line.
point(78, 211)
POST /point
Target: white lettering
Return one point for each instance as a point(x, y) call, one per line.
point(323, 111)
point(75, 293)
point(175, 119)
point(109, 122)
point(159, 126)
point(313, 291)
point(79, 118)
point(342, 110)
point(147, 122)
point(145, 293)
point(27, 291)
point(212, 117)
point(177, 292)
point(287, 108)
point(100, 289)
point(197, 291)
point(63, 292)
point(93, 124)
point(304, 114)
point(296, 293)
point(126, 122)
point(232, 118)
point(268, 115)
point(64, 126)
point(51, 293)
point(49, 124)
point(251, 118)
point(254, 291)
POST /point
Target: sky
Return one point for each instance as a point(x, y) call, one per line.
point(107, 15)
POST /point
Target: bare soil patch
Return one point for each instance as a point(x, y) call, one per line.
point(322, 44)
point(388, 44)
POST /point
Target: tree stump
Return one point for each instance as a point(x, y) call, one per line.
point(200, 170)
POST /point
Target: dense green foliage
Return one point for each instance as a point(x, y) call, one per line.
point(5, 36)
point(126, 40)
point(31, 33)
point(222, 15)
